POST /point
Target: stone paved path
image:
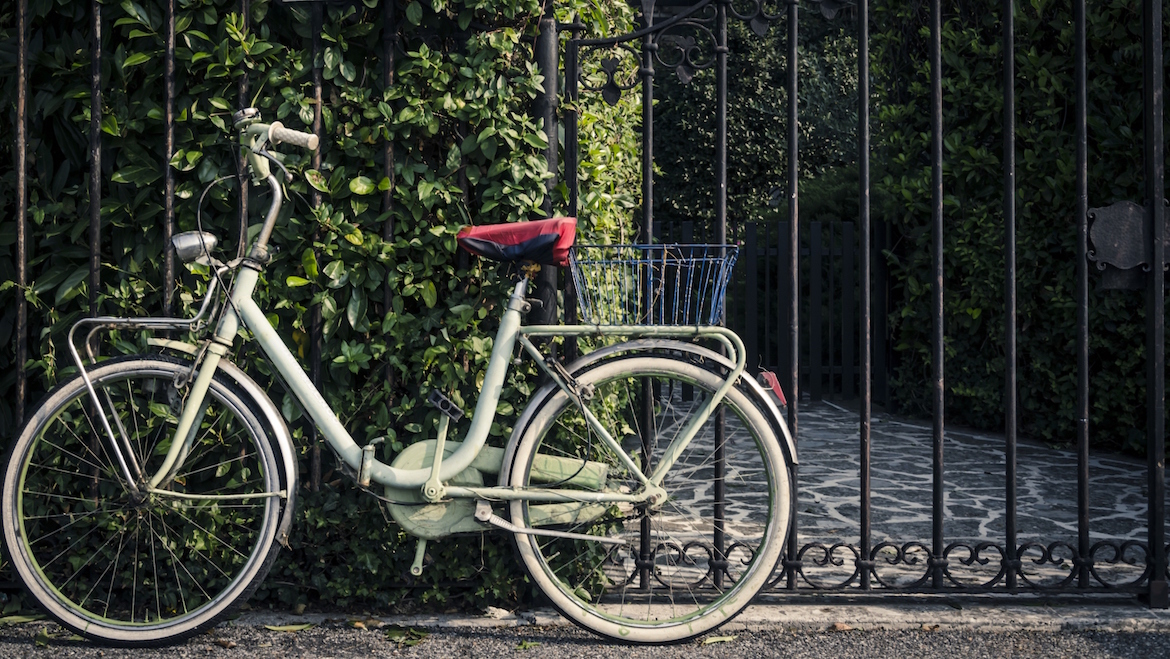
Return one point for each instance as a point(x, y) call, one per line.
point(828, 501)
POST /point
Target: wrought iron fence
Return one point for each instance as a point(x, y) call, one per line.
point(690, 38)
point(685, 38)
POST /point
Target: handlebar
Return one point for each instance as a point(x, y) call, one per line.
point(277, 133)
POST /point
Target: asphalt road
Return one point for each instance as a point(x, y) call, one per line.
point(342, 639)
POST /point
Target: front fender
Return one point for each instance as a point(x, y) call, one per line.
point(278, 429)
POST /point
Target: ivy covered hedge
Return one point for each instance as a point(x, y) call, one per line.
point(400, 312)
point(1046, 222)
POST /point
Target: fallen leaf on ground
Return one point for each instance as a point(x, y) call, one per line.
point(526, 645)
point(405, 636)
point(19, 619)
point(717, 639)
point(841, 627)
point(289, 628)
point(225, 643)
point(929, 628)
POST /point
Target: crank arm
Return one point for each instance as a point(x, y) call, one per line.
point(483, 513)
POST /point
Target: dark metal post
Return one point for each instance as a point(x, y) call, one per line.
point(547, 49)
point(1155, 165)
point(1082, 214)
point(793, 565)
point(1011, 561)
point(315, 311)
point(389, 53)
point(95, 159)
point(21, 210)
point(649, 48)
point(720, 466)
point(571, 160)
point(865, 563)
point(936, 125)
point(242, 95)
point(169, 150)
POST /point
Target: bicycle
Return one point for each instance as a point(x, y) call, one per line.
point(645, 485)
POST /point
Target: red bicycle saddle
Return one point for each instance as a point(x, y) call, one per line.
point(541, 241)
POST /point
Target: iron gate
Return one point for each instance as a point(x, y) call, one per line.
point(683, 38)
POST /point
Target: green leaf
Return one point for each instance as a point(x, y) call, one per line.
point(317, 180)
point(289, 628)
point(430, 295)
point(309, 263)
point(293, 281)
point(718, 639)
point(71, 286)
point(362, 185)
point(20, 619)
point(135, 59)
point(414, 12)
point(355, 311)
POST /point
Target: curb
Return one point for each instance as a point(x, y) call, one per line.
point(822, 614)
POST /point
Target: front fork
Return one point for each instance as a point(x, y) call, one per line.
point(195, 405)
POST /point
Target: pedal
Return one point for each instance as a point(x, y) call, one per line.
point(445, 405)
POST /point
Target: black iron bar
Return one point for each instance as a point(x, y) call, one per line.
point(848, 300)
point(169, 151)
point(936, 126)
point(649, 47)
point(793, 565)
point(816, 276)
point(21, 210)
point(720, 466)
point(830, 306)
point(749, 256)
point(242, 95)
point(1155, 149)
point(315, 311)
point(865, 345)
point(547, 55)
point(1011, 561)
point(389, 61)
point(571, 156)
point(1082, 313)
point(95, 158)
point(389, 56)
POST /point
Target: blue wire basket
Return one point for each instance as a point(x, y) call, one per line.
point(651, 284)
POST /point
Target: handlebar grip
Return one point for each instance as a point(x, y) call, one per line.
point(277, 133)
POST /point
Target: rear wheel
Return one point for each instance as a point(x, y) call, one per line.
point(689, 563)
point(157, 567)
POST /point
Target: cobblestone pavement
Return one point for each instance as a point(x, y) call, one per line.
point(974, 500)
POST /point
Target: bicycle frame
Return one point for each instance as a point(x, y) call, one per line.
point(243, 310)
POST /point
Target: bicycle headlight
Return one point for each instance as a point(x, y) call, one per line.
point(192, 245)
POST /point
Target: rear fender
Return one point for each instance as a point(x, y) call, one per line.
point(756, 392)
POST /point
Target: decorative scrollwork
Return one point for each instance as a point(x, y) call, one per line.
point(975, 558)
point(976, 567)
point(682, 566)
point(827, 557)
point(1050, 555)
point(684, 43)
point(907, 555)
point(1122, 555)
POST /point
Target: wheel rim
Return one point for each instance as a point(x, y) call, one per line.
point(687, 581)
point(155, 561)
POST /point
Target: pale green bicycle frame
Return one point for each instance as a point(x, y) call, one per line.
point(243, 311)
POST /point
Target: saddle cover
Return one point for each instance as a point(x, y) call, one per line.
point(546, 242)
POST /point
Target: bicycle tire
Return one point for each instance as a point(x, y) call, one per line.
point(690, 586)
point(157, 569)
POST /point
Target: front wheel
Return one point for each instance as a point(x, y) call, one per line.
point(153, 568)
point(689, 563)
